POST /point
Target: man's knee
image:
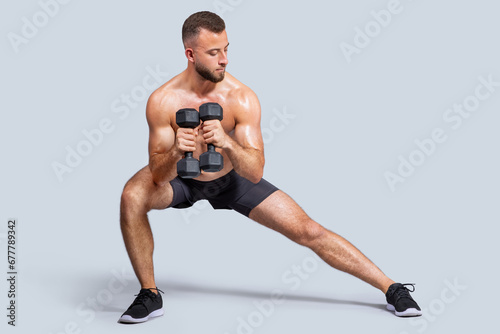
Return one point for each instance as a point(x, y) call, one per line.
point(133, 199)
point(310, 233)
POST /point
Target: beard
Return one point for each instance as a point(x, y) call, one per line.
point(206, 74)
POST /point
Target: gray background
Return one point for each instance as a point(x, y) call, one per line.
point(351, 122)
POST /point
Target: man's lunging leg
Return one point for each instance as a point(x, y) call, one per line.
point(138, 239)
point(139, 196)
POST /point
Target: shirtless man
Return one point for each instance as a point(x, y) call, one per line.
point(238, 186)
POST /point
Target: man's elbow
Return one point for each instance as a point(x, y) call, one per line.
point(156, 177)
point(256, 175)
point(157, 181)
point(255, 179)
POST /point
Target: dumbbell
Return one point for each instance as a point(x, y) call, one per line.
point(211, 161)
point(188, 167)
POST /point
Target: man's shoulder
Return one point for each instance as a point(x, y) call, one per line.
point(240, 93)
point(164, 99)
point(243, 101)
point(166, 93)
point(161, 103)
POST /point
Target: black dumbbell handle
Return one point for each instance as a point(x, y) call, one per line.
point(210, 148)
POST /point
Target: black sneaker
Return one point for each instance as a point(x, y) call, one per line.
point(399, 300)
point(146, 305)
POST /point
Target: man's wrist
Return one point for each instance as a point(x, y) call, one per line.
point(176, 153)
point(228, 143)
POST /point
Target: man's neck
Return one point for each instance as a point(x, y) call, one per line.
point(197, 84)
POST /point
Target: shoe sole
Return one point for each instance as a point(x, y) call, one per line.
point(411, 312)
point(129, 320)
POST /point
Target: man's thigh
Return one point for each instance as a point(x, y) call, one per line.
point(282, 214)
point(142, 188)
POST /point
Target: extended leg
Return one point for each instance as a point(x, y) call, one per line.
point(282, 214)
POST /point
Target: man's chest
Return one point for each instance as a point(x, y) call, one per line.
point(228, 112)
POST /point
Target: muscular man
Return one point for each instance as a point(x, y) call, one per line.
point(238, 186)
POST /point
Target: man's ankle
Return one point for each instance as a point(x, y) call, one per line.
point(154, 290)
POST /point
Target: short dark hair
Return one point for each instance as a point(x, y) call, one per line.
point(206, 20)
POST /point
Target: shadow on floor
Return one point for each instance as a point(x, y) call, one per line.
point(175, 287)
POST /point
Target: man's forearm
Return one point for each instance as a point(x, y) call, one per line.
point(247, 162)
point(164, 166)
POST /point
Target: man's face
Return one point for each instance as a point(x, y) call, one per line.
point(211, 55)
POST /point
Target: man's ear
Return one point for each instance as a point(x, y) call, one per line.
point(189, 52)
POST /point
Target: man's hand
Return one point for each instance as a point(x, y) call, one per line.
point(185, 139)
point(213, 133)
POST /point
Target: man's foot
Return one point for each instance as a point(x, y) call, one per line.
point(399, 300)
point(146, 305)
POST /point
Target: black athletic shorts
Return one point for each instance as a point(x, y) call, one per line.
point(231, 191)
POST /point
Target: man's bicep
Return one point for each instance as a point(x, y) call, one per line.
point(249, 135)
point(247, 131)
point(161, 133)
